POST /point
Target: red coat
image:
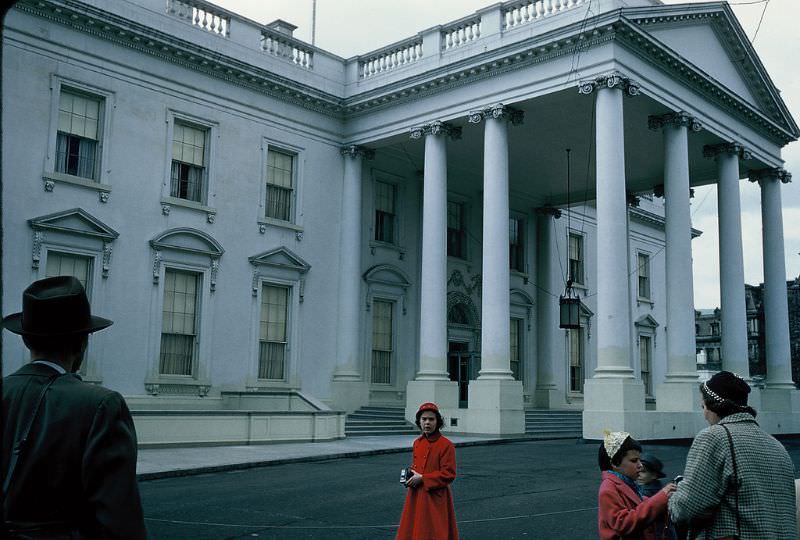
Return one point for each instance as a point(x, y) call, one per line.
point(621, 514)
point(428, 513)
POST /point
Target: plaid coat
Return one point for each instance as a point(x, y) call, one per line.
point(706, 499)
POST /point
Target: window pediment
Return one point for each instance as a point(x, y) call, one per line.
point(520, 298)
point(188, 239)
point(74, 221)
point(646, 321)
point(386, 274)
point(281, 257)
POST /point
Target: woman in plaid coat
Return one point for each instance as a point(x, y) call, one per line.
point(739, 480)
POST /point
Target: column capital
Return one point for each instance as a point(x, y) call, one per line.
point(437, 127)
point(497, 110)
point(778, 173)
point(674, 119)
point(730, 148)
point(354, 150)
point(610, 80)
point(548, 210)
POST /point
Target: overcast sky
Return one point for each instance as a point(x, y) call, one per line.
point(352, 27)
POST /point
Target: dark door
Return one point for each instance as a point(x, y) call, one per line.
point(458, 364)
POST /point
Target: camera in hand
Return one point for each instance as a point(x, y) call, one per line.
point(677, 479)
point(405, 475)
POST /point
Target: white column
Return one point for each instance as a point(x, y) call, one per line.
point(680, 389)
point(495, 398)
point(776, 308)
point(731, 262)
point(547, 314)
point(349, 389)
point(613, 393)
point(432, 382)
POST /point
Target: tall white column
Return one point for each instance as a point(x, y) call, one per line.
point(547, 394)
point(680, 388)
point(776, 307)
point(495, 398)
point(432, 382)
point(613, 393)
point(350, 391)
point(731, 262)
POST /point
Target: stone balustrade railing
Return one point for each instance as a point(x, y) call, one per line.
point(526, 11)
point(288, 48)
point(202, 15)
point(461, 32)
point(389, 58)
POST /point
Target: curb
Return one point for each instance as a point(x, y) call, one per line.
point(208, 469)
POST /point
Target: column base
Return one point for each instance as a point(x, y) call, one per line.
point(443, 393)
point(496, 407)
point(549, 397)
point(348, 396)
point(776, 400)
point(612, 404)
point(678, 396)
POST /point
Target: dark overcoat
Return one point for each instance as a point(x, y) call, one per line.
point(78, 468)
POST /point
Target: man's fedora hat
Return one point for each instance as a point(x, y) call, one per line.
point(55, 306)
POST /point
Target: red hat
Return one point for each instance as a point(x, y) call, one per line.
point(428, 407)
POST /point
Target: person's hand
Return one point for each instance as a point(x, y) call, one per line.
point(669, 489)
point(415, 480)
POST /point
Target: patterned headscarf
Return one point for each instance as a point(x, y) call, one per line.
point(612, 441)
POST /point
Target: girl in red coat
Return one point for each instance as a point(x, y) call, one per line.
point(428, 513)
point(623, 512)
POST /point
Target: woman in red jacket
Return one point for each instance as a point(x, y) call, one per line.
point(428, 513)
point(623, 512)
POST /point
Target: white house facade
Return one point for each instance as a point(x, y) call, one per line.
point(283, 236)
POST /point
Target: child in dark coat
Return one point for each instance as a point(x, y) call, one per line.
point(650, 482)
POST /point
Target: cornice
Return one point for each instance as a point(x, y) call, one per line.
point(110, 27)
point(776, 173)
point(653, 220)
point(436, 127)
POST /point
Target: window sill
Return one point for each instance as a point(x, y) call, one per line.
point(458, 259)
point(641, 300)
point(522, 275)
point(176, 385)
point(75, 181)
point(184, 203)
point(253, 384)
point(263, 222)
point(374, 245)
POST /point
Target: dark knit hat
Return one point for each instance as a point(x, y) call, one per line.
point(653, 464)
point(727, 386)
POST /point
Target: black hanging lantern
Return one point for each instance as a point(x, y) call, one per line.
point(570, 308)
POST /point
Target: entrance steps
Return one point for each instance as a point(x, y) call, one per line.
point(554, 424)
point(374, 421)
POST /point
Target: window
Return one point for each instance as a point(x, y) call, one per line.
point(188, 176)
point(516, 240)
point(179, 323)
point(456, 231)
point(645, 360)
point(576, 359)
point(78, 135)
point(644, 275)
point(714, 328)
point(382, 314)
point(79, 267)
point(576, 258)
point(385, 212)
point(280, 185)
point(272, 332)
point(516, 347)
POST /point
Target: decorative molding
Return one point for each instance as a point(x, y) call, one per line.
point(281, 258)
point(298, 235)
point(497, 111)
point(38, 238)
point(156, 266)
point(456, 279)
point(437, 127)
point(49, 186)
point(730, 148)
point(211, 217)
point(610, 80)
point(455, 298)
point(103, 196)
point(165, 208)
point(390, 276)
point(354, 150)
point(777, 173)
point(187, 240)
point(262, 228)
point(213, 276)
point(107, 248)
point(674, 119)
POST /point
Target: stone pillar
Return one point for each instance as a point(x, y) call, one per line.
point(733, 321)
point(776, 307)
point(679, 391)
point(613, 392)
point(547, 392)
point(350, 390)
point(432, 382)
point(495, 398)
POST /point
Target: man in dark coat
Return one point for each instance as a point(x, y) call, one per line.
point(68, 447)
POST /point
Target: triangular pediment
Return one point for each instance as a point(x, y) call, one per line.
point(281, 257)
point(709, 40)
point(647, 321)
point(74, 221)
point(187, 239)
